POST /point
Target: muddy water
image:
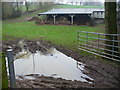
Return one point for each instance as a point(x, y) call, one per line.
point(54, 64)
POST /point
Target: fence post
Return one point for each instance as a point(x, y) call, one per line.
point(72, 19)
point(10, 59)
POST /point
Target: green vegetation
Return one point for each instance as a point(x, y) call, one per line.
point(0, 73)
point(76, 6)
point(4, 72)
point(31, 7)
point(60, 35)
point(16, 9)
point(29, 15)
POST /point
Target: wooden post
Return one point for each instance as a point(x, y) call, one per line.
point(10, 59)
point(54, 16)
point(72, 19)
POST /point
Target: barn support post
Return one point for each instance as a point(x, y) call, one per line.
point(72, 18)
point(54, 16)
point(92, 23)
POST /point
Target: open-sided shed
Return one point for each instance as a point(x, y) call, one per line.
point(75, 14)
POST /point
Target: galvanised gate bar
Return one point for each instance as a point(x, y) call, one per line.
point(95, 43)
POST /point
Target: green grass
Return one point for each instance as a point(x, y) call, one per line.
point(76, 6)
point(4, 76)
point(60, 35)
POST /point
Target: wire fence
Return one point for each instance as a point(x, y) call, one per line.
point(104, 45)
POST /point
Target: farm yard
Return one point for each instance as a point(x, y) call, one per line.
point(62, 65)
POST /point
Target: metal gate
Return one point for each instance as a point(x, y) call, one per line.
point(95, 43)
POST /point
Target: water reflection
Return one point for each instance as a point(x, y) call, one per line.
point(33, 63)
point(55, 64)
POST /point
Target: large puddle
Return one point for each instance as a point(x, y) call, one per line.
point(53, 64)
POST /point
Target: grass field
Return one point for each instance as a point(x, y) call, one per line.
point(76, 6)
point(60, 35)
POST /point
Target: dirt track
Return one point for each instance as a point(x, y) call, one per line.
point(105, 75)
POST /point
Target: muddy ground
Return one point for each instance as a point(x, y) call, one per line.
point(105, 75)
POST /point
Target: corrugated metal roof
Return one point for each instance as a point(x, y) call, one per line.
point(71, 11)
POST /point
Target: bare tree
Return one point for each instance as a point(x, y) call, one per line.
point(26, 5)
point(17, 4)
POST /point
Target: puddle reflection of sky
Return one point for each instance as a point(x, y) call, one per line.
point(55, 64)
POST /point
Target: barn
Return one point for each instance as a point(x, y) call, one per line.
point(79, 16)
